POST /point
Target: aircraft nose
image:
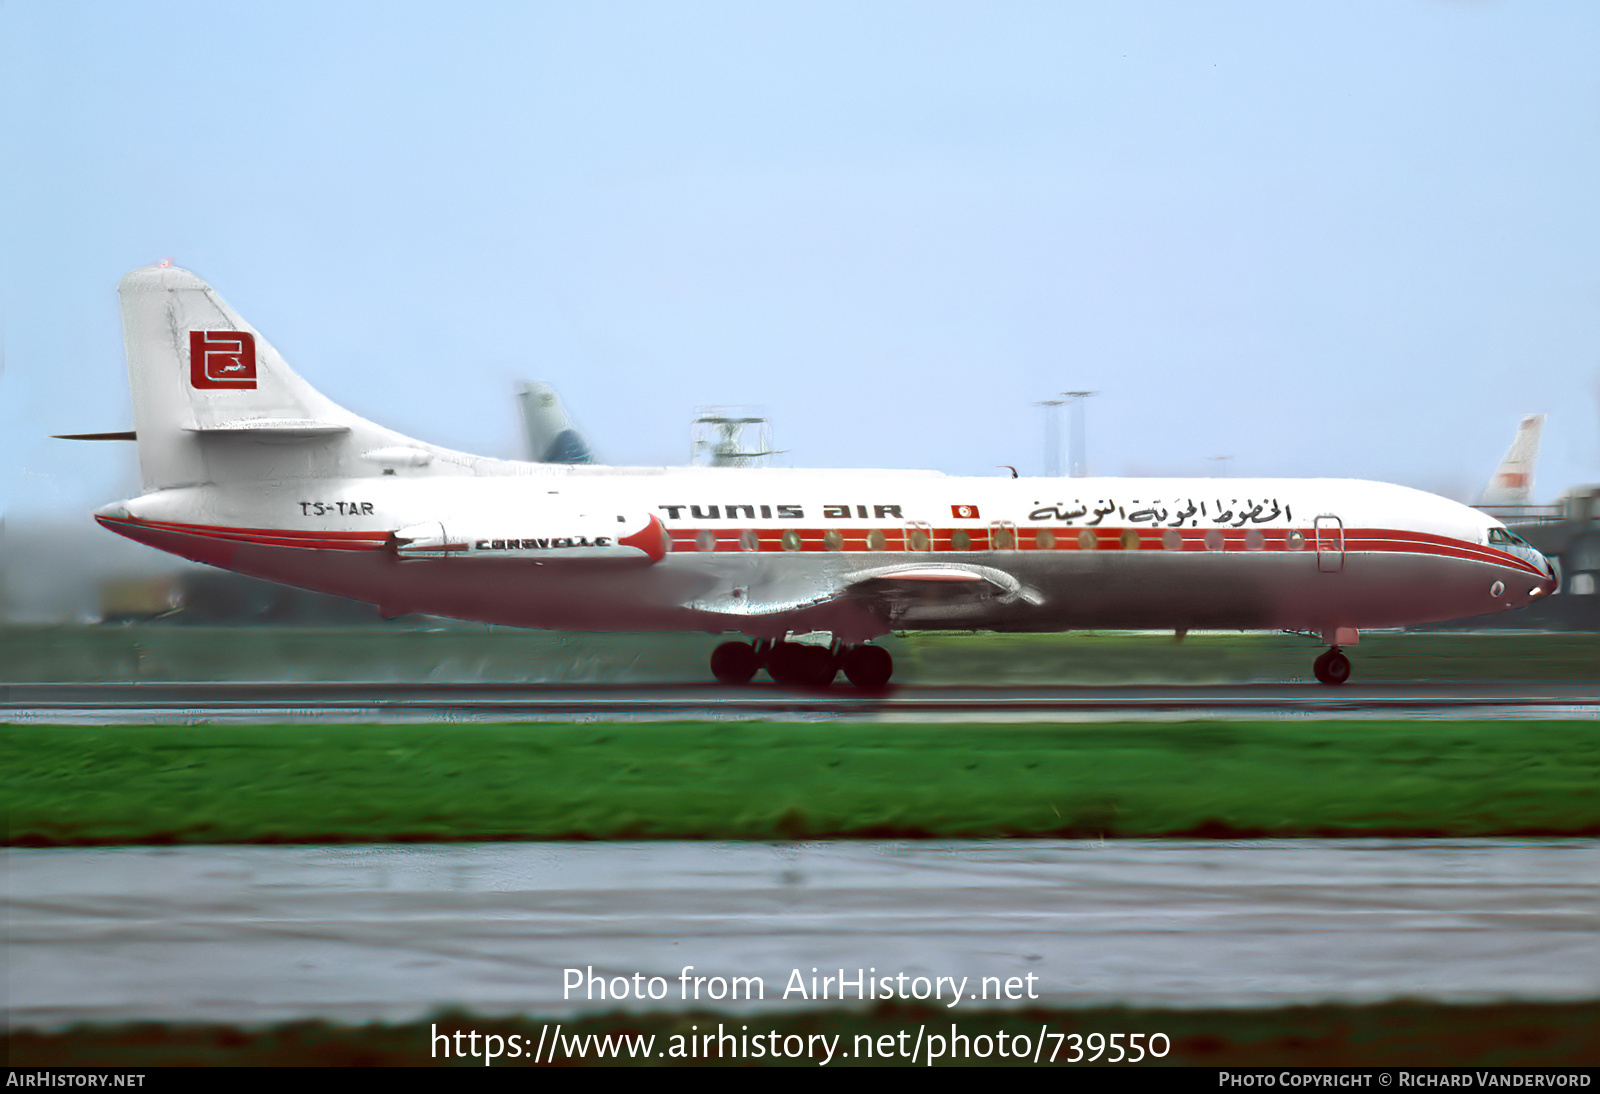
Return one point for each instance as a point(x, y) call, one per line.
point(1547, 584)
point(1552, 579)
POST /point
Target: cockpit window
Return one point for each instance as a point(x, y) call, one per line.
point(1507, 539)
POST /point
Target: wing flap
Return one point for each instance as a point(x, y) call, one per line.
point(894, 593)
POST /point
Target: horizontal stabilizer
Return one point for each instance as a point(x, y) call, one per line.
point(277, 427)
point(125, 435)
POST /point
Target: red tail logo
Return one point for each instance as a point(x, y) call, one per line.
point(222, 359)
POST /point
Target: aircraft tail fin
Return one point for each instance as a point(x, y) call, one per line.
point(1512, 482)
point(213, 401)
point(547, 430)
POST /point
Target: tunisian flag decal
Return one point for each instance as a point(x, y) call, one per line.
point(964, 512)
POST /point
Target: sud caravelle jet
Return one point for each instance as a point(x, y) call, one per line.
point(247, 467)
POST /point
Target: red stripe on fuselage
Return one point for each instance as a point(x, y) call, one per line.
point(894, 539)
point(1355, 540)
point(265, 537)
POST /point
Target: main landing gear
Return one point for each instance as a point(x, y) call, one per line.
point(800, 665)
point(1332, 668)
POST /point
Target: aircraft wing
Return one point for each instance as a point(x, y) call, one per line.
point(907, 593)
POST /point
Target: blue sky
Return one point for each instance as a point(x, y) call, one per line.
point(1354, 239)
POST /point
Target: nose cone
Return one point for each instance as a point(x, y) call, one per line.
point(1551, 582)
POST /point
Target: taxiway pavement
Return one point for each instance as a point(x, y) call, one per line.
point(251, 935)
point(146, 702)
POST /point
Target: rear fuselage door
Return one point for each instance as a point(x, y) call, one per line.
point(1330, 544)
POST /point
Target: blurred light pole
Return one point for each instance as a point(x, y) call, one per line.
point(1052, 436)
point(1079, 467)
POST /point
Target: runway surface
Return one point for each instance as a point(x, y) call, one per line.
point(435, 702)
point(262, 934)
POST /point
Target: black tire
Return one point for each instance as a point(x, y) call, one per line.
point(1332, 668)
point(783, 664)
point(734, 663)
point(821, 667)
point(868, 666)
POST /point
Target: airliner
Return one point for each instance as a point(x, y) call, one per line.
point(247, 467)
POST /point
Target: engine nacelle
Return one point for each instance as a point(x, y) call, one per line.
point(550, 539)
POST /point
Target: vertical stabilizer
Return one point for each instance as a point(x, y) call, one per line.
point(547, 431)
point(213, 401)
point(1512, 483)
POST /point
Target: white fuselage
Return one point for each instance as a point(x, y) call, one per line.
point(248, 467)
point(859, 553)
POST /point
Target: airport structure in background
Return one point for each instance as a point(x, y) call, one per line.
point(1052, 436)
point(1079, 465)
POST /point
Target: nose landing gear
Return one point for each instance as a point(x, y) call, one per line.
point(801, 665)
point(1332, 668)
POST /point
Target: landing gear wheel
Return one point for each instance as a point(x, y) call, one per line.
point(795, 665)
point(734, 663)
point(868, 666)
point(822, 669)
point(1332, 668)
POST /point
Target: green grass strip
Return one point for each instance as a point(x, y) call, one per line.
point(764, 781)
point(1385, 1035)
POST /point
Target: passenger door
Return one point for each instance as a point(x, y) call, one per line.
point(1330, 544)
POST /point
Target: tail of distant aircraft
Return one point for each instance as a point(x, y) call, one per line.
point(1512, 483)
point(202, 377)
point(547, 430)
